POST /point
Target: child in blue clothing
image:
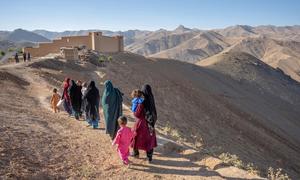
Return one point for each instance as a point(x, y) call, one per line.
point(137, 99)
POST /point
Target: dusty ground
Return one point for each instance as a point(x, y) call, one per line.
point(38, 144)
point(240, 107)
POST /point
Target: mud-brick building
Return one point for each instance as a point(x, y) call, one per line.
point(94, 41)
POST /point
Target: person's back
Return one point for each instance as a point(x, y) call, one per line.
point(24, 56)
point(126, 135)
point(123, 139)
point(54, 100)
point(28, 56)
point(17, 57)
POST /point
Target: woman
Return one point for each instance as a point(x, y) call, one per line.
point(112, 108)
point(17, 58)
point(76, 98)
point(66, 96)
point(79, 85)
point(92, 98)
point(84, 101)
point(146, 116)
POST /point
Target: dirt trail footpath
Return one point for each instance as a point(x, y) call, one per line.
point(36, 143)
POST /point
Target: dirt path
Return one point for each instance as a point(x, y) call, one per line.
point(36, 143)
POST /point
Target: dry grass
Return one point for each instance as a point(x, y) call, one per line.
point(277, 174)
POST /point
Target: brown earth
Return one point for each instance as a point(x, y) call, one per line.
point(250, 114)
point(38, 144)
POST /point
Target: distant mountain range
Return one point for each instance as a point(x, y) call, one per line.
point(20, 35)
point(277, 46)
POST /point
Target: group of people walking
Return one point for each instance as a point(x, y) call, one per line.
point(26, 57)
point(82, 100)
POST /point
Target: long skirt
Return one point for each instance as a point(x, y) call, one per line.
point(68, 107)
point(143, 139)
point(92, 118)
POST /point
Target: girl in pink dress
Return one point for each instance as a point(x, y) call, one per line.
point(123, 139)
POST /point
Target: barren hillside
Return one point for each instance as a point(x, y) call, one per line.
point(277, 53)
point(276, 46)
point(199, 47)
point(251, 114)
point(158, 41)
point(235, 106)
point(37, 144)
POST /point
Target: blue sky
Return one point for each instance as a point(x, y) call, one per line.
point(60, 15)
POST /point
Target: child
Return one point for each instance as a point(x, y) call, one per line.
point(54, 100)
point(137, 99)
point(123, 139)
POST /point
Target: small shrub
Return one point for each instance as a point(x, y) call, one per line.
point(109, 58)
point(252, 169)
point(231, 160)
point(102, 59)
point(2, 53)
point(11, 49)
point(277, 174)
point(20, 51)
point(171, 132)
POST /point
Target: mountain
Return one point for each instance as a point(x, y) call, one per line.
point(5, 45)
point(54, 35)
point(20, 35)
point(280, 32)
point(181, 29)
point(3, 35)
point(237, 31)
point(158, 41)
point(129, 35)
point(201, 46)
point(275, 45)
point(283, 54)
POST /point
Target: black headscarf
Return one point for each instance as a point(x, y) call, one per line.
point(149, 105)
point(75, 96)
point(92, 94)
point(93, 98)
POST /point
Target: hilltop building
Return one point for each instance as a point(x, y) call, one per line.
point(94, 41)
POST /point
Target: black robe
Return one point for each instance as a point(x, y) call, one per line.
point(149, 105)
point(75, 96)
point(92, 98)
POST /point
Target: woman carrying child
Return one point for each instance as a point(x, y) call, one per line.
point(144, 131)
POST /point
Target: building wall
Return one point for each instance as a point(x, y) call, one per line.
point(94, 41)
point(70, 53)
point(108, 44)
